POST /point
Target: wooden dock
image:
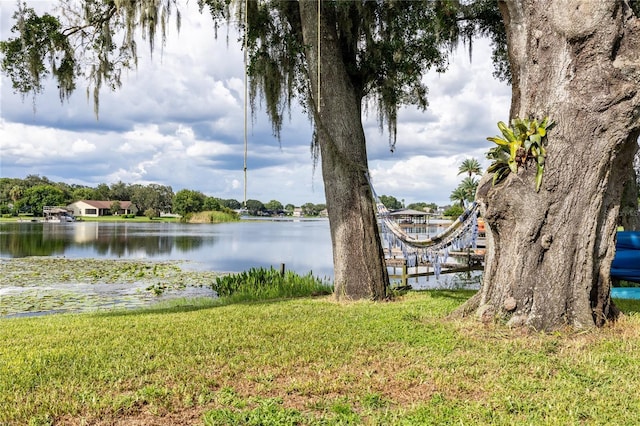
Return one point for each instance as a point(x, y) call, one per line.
point(471, 260)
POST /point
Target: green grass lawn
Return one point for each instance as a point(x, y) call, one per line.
point(314, 361)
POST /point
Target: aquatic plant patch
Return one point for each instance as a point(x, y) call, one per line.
point(42, 284)
point(45, 270)
point(34, 301)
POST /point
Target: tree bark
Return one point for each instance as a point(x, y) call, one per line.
point(549, 252)
point(629, 219)
point(359, 267)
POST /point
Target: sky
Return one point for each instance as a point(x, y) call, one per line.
point(178, 120)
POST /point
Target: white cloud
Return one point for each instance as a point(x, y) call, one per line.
point(81, 146)
point(419, 178)
point(207, 149)
point(24, 144)
point(178, 121)
point(122, 175)
point(184, 132)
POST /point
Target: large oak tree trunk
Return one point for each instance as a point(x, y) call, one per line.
point(550, 252)
point(359, 267)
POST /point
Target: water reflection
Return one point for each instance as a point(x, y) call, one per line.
point(468, 280)
point(302, 246)
point(20, 240)
point(100, 239)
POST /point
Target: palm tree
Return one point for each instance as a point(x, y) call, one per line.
point(15, 193)
point(458, 195)
point(469, 186)
point(471, 166)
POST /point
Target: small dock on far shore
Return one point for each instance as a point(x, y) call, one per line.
point(461, 261)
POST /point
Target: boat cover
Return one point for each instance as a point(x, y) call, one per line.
point(626, 263)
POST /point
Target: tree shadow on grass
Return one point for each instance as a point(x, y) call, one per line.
point(189, 305)
point(176, 306)
point(460, 296)
point(627, 306)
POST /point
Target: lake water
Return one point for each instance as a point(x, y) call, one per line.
point(303, 246)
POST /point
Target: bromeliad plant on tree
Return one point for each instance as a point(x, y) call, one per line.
point(522, 142)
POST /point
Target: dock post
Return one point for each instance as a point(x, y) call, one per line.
point(405, 279)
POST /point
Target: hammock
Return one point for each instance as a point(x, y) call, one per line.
point(462, 233)
point(445, 238)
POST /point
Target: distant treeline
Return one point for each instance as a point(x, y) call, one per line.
point(31, 194)
point(392, 203)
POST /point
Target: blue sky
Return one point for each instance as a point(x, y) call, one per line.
point(178, 121)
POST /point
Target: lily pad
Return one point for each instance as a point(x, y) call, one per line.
point(37, 285)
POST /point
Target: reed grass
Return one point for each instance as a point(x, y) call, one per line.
point(264, 284)
point(314, 361)
point(213, 216)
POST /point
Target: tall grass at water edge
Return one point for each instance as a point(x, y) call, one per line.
point(212, 216)
point(263, 284)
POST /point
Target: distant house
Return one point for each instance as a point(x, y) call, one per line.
point(297, 212)
point(100, 208)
